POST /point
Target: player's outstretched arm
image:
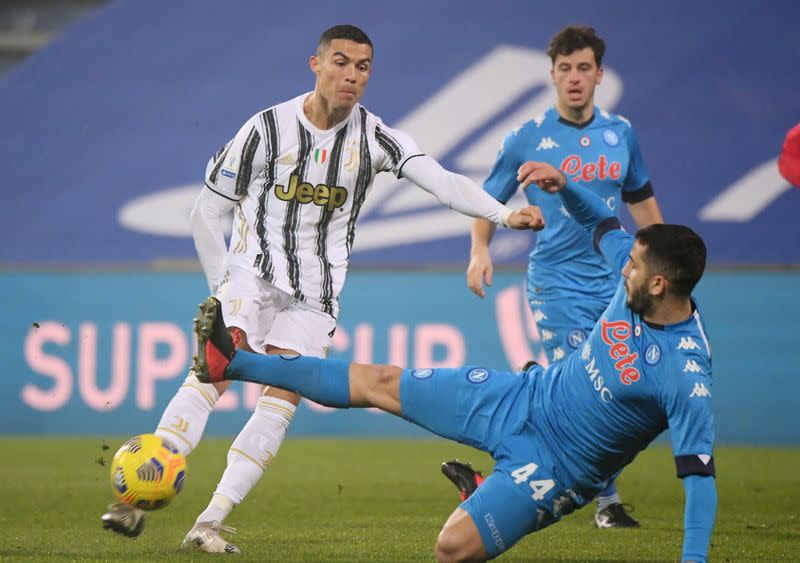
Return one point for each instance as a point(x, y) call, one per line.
point(463, 195)
point(698, 518)
point(588, 209)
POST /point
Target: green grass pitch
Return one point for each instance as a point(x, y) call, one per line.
point(375, 500)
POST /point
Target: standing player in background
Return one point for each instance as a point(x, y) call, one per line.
point(568, 285)
point(296, 175)
point(558, 435)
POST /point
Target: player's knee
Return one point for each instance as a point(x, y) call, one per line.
point(452, 545)
point(387, 378)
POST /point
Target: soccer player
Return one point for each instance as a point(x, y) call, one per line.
point(558, 435)
point(296, 175)
point(568, 286)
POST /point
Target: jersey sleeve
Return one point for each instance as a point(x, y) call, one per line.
point(614, 243)
point(396, 148)
point(502, 180)
point(687, 403)
point(637, 186)
point(231, 170)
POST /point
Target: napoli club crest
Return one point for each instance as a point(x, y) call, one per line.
point(610, 137)
point(478, 375)
point(576, 338)
point(652, 354)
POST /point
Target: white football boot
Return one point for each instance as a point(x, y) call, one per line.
point(204, 536)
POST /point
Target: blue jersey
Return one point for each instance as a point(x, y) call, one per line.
point(631, 380)
point(603, 155)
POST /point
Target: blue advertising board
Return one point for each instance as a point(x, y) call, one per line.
point(107, 130)
point(103, 353)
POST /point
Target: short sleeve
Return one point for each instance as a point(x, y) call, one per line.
point(396, 148)
point(231, 170)
point(690, 415)
point(502, 180)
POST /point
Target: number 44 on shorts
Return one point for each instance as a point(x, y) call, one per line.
point(540, 487)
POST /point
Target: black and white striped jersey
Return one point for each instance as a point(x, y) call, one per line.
point(299, 191)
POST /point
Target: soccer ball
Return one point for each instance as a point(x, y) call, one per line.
point(147, 472)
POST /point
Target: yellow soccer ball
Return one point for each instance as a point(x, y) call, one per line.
point(147, 472)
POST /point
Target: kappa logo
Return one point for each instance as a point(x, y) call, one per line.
point(546, 144)
point(700, 390)
point(692, 367)
point(688, 343)
point(558, 354)
point(538, 315)
point(546, 334)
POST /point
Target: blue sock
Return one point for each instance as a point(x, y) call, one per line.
point(609, 491)
point(323, 381)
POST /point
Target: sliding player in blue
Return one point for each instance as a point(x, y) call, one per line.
point(558, 435)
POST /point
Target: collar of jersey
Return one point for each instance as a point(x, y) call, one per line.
point(317, 132)
point(583, 125)
point(674, 326)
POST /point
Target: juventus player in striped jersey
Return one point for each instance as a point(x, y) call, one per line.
point(296, 176)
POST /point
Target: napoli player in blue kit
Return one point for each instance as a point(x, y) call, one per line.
point(558, 435)
point(568, 285)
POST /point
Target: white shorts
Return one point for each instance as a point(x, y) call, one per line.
point(272, 317)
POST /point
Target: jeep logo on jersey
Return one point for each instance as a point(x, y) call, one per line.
point(574, 166)
point(614, 334)
point(303, 192)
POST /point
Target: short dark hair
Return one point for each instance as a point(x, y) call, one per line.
point(675, 252)
point(349, 32)
point(574, 38)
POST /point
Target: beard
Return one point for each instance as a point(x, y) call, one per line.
point(640, 301)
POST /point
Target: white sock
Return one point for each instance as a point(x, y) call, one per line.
point(250, 454)
point(217, 510)
point(603, 502)
point(186, 415)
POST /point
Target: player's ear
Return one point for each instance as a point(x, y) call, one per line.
point(658, 285)
point(599, 75)
point(314, 64)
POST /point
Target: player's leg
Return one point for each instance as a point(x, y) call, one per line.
point(296, 329)
point(523, 495)
point(184, 419)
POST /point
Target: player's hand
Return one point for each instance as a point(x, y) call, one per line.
point(529, 217)
point(479, 269)
point(544, 175)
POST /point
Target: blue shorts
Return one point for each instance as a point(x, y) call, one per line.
point(489, 410)
point(564, 323)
